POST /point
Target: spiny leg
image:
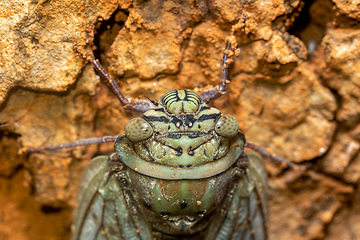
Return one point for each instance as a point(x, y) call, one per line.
point(220, 89)
point(276, 158)
point(243, 26)
point(140, 105)
point(5, 125)
point(8, 126)
point(83, 142)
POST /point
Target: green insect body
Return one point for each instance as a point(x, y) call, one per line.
point(179, 173)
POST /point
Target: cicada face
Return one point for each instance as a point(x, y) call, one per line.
point(181, 158)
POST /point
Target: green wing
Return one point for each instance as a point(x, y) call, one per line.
point(244, 213)
point(106, 211)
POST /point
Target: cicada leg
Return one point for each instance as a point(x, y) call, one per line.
point(107, 208)
point(5, 125)
point(140, 105)
point(276, 158)
point(220, 89)
point(83, 142)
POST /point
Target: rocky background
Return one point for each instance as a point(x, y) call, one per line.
point(295, 89)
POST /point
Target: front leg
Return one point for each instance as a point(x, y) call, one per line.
point(139, 105)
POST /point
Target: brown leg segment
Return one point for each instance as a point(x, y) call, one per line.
point(83, 142)
point(220, 89)
point(141, 105)
point(276, 158)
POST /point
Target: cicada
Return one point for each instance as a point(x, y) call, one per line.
point(179, 172)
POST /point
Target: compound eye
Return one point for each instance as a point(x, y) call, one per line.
point(227, 126)
point(137, 129)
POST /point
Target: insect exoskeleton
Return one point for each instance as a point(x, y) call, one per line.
point(179, 171)
point(181, 158)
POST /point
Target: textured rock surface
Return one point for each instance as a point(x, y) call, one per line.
point(350, 9)
point(37, 41)
point(294, 89)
